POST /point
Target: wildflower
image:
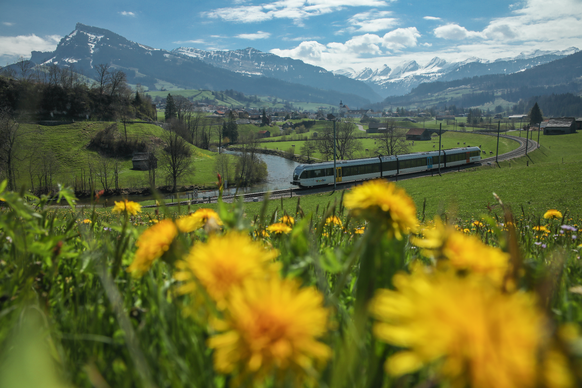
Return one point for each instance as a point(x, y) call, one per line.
point(151, 245)
point(279, 228)
point(126, 206)
point(360, 230)
point(383, 201)
point(552, 214)
point(333, 220)
point(477, 224)
point(86, 221)
point(272, 326)
point(197, 220)
point(464, 325)
point(287, 220)
point(541, 229)
point(568, 228)
point(462, 252)
point(222, 263)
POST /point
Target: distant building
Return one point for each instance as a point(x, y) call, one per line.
point(144, 161)
point(263, 134)
point(418, 134)
point(376, 127)
point(560, 126)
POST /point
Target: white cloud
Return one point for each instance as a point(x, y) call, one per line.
point(401, 38)
point(14, 47)
point(371, 21)
point(455, 32)
point(364, 44)
point(193, 41)
point(431, 18)
point(128, 13)
point(309, 51)
point(296, 10)
point(8, 24)
point(255, 36)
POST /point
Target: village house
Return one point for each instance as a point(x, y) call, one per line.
point(418, 134)
point(263, 134)
point(560, 126)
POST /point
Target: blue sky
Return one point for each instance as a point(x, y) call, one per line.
point(334, 34)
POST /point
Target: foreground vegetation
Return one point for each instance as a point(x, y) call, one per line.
point(361, 294)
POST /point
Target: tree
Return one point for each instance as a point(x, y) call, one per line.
point(309, 148)
point(535, 115)
point(175, 157)
point(170, 108)
point(231, 129)
point(346, 143)
point(249, 168)
point(10, 147)
point(393, 140)
point(102, 71)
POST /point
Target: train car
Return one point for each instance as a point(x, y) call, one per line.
point(318, 174)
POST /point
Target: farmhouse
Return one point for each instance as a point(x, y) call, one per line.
point(144, 161)
point(560, 126)
point(376, 127)
point(418, 134)
point(263, 134)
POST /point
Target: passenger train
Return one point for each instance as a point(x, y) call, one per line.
point(320, 174)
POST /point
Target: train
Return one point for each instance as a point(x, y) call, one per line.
point(321, 174)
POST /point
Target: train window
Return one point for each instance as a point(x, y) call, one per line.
point(316, 173)
point(389, 166)
point(329, 171)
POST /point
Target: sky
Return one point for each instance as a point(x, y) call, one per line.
point(333, 34)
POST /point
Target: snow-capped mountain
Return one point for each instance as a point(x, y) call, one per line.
point(251, 62)
point(248, 71)
point(406, 76)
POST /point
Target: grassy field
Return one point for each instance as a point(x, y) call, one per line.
point(449, 140)
point(68, 143)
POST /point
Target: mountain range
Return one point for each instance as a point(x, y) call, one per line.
point(155, 69)
point(408, 75)
point(254, 72)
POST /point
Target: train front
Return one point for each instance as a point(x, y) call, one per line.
point(296, 174)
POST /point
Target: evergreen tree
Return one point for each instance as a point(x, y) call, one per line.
point(535, 115)
point(170, 108)
point(232, 128)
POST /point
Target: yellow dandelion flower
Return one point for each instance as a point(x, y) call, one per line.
point(272, 327)
point(287, 220)
point(86, 221)
point(477, 224)
point(333, 220)
point(151, 245)
point(360, 230)
point(197, 220)
point(467, 231)
point(126, 206)
point(552, 214)
point(541, 229)
point(382, 200)
point(462, 252)
point(481, 336)
point(222, 263)
point(279, 228)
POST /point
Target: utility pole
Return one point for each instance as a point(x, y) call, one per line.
point(440, 132)
point(526, 140)
point(334, 162)
point(539, 130)
point(497, 152)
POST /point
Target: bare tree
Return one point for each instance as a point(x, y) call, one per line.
point(224, 167)
point(249, 167)
point(116, 81)
point(393, 140)
point(25, 66)
point(10, 147)
point(105, 170)
point(346, 143)
point(176, 157)
point(102, 73)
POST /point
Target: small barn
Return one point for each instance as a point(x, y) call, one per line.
point(560, 126)
point(418, 134)
point(263, 134)
point(376, 127)
point(144, 161)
